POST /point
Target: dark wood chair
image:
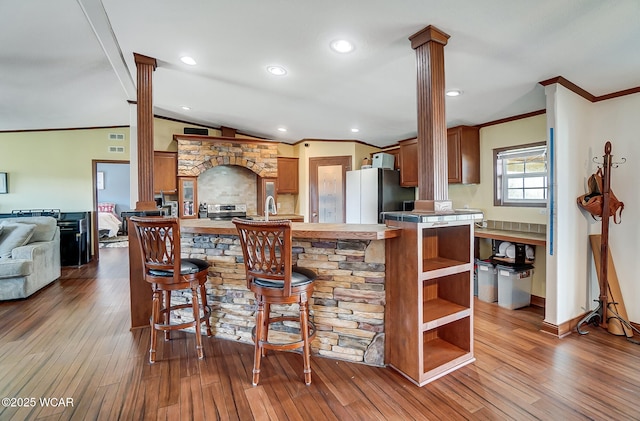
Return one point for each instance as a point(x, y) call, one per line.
point(267, 251)
point(166, 271)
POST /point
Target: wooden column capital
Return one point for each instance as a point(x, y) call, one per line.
point(432, 125)
point(428, 34)
point(145, 67)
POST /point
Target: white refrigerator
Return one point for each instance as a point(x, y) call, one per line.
point(372, 191)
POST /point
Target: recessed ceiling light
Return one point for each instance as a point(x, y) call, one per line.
point(453, 92)
point(282, 129)
point(355, 130)
point(184, 107)
point(342, 46)
point(277, 70)
point(188, 60)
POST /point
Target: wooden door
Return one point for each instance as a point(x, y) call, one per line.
point(327, 182)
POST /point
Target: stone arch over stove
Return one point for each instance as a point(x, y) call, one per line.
point(197, 154)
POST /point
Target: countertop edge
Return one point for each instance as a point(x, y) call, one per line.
point(532, 238)
point(303, 230)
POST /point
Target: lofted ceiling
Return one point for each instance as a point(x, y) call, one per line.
point(69, 63)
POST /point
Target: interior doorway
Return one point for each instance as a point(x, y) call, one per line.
point(327, 183)
point(111, 196)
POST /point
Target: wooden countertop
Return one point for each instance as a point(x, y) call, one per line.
point(300, 230)
point(276, 217)
point(531, 238)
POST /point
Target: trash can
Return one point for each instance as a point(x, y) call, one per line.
point(487, 281)
point(514, 286)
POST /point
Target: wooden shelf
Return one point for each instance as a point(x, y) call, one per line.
point(439, 312)
point(429, 312)
point(439, 352)
point(440, 263)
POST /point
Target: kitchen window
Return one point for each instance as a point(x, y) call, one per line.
point(521, 175)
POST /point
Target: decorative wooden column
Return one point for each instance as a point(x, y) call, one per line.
point(145, 67)
point(432, 126)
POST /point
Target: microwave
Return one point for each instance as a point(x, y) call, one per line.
point(170, 208)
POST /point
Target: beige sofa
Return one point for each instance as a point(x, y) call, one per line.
point(29, 255)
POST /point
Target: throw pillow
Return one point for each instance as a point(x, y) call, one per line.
point(107, 207)
point(14, 235)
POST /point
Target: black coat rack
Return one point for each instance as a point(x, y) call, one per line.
point(598, 317)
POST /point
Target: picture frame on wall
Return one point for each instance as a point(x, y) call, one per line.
point(4, 184)
point(100, 180)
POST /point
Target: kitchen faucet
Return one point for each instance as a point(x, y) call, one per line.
point(266, 207)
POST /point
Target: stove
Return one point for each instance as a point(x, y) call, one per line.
point(219, 212)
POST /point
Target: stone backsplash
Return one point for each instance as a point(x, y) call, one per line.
point(197, 154)
point(347, 305)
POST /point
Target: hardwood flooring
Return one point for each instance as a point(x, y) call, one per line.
point(71, 341)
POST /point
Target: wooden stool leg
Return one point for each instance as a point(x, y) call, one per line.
point(258, 340)
point(196, 318)
point(267, 322)
point(203, 301)
point(306, 348)
point(167, 313)
point(155, 318)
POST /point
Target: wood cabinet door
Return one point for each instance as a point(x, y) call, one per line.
point(165, 172)
point(454, 171)
point(288, 175)
point(188, 194)
point(408, 158)
point(463, 155)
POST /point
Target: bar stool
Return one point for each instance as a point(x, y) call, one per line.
point(166, 271)
point(266, 247)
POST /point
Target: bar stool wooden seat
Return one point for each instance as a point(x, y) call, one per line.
point(267, 251)
point(166, 271)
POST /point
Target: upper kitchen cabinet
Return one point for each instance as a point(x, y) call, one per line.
point(165, 171)
point(408, 162)
point(463, 150)
point(288, 175)
point(463, 157)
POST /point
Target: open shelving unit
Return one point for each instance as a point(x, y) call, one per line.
point(429, 310)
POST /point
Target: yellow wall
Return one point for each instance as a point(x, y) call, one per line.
point(480, 196)
point(163, 131)
point(52, 169)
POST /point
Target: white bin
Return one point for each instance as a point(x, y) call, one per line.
point(514, 286)
point(487, 282)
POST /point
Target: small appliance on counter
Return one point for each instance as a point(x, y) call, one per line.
point(170, 208)
point(202, 211)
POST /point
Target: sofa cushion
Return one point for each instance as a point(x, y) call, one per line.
point(14, 235)
point(11, 268)
point(46, 226)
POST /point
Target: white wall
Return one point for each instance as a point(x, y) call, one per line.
point(581, 129)
point(617, 121)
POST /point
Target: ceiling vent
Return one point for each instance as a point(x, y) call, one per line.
point(116, 149)
point(116, 136)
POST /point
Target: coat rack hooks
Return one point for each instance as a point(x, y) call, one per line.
point(613, 164)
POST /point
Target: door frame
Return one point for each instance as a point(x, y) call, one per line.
point(345, 161)
point(95, 244)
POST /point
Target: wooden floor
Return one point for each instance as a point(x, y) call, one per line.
point(71, 343)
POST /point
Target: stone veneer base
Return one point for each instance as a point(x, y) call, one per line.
point(347, 305)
